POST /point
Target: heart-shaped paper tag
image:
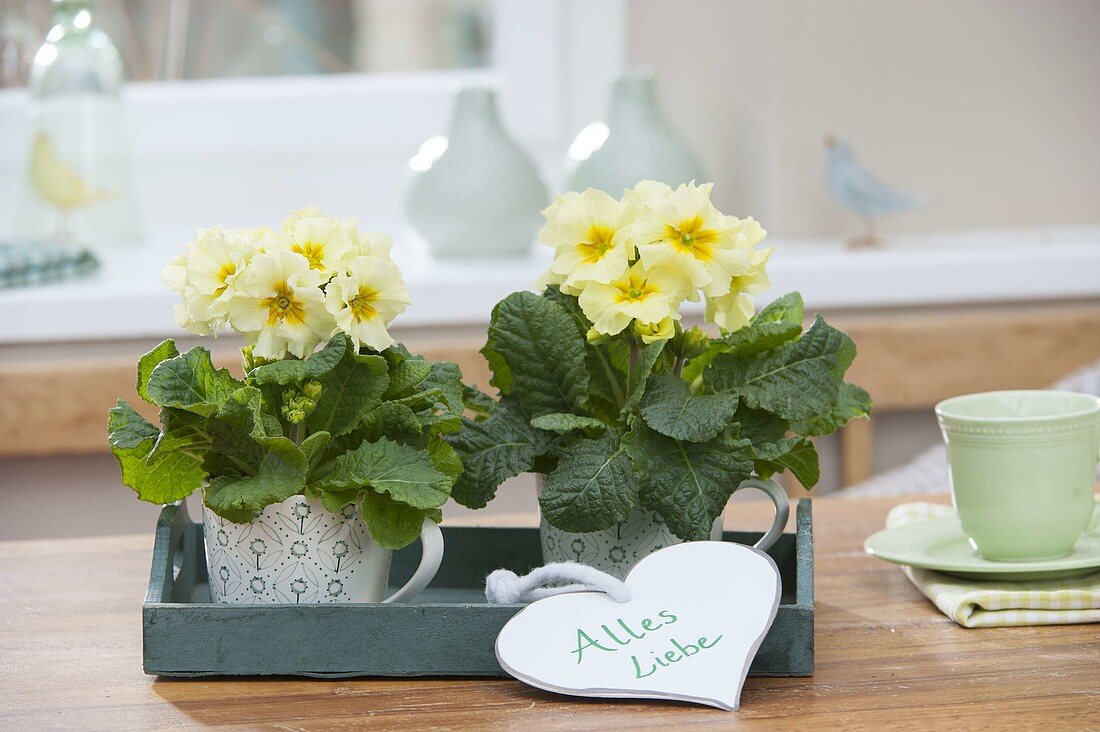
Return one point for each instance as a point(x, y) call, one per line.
point(697, 615)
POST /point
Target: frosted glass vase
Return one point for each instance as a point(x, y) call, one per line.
point(475, 192)
point(637, 142)
point(77, 186)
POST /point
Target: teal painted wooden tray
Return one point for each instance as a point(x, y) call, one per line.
point(449, 630)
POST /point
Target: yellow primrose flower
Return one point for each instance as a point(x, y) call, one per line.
point(590, 234)
point(685, 231)
point(279, 305)
point(647, 193)
point(174, 275)
point(204, 276)
point(550, 277)
point(215, 259)
point(369, 243)
point(643, 294)
point(653, 332)
point(734, 309)
point(324, 242)
point(366, 298)
point(309, 212)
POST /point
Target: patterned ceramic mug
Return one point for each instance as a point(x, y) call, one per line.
point(298, 552)
point(617, 549)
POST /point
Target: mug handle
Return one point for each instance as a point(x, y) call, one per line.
point(782, 510)
point(431, 554)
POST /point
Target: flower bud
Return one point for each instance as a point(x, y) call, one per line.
point(312, 389)
point(250, 361)
point(692, 343)
point(292, 415)
point(653, 332)
point(596, 338)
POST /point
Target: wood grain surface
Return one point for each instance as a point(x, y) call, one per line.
point(906, 361)
point(70, 657)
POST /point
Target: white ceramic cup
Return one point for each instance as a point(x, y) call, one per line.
point(297, 552)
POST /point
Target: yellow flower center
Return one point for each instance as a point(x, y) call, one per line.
point(284, 307)
point(312, 251)
point(634, 289)
point(227, 270)
point(690, 236)
point(362, 305)
point(596, 243)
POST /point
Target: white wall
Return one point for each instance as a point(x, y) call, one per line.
point(992, 109)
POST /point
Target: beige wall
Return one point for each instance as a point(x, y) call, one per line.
point(989, 107)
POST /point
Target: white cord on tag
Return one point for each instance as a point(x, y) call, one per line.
point(504, 587)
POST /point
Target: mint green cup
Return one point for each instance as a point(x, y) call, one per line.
point(1023, 469)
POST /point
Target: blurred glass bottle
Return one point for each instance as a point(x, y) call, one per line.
point(637, 142)
point(18, 39)
point(78, 186)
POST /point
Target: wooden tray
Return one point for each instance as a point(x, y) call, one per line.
point(449, 630)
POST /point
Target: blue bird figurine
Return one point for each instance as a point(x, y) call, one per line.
point(853, 186)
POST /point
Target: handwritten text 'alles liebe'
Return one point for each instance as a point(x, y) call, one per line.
point(613, 637)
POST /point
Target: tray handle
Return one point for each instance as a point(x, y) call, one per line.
point(173, 574)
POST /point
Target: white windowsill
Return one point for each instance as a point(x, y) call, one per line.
point(126, 300)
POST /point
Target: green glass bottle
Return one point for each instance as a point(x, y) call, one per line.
point(78, 186)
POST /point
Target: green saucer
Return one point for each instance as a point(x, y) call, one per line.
point(941, 545)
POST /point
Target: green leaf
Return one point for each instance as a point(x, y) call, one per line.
point(335, 501)
point(170, 477)
point(670, 408)
point(498, 448)
point(406, 376)
point(607, 386)
point(502, 375)
point(852, 403)
point(592, 488)
point(148, 362)
point(349, 391)
point(562, 423)
point(314, 446)
point(797, 381)
point(687, 483)
point(290, 371)
point(387, 419)
point(280, 475)
point(444, 458)
point(441, 423)
point(447, 377)
point(191, 382)
point(796, 454)
point(478, 402)
point(640, 372)
point(759, 426)
point(784, 309)
point(405, 473)
point(777, 323)
point(761, 336)
point(247, 408)
point(538, 342)
point(126, 428)
point(182, 431)
point(392, 524)
point(421, 400)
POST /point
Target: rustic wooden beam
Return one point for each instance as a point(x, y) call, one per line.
point(906, 361)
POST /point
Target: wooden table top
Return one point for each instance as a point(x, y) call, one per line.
point(70, 656)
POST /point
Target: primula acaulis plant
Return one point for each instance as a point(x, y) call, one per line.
point(357, 421)
point(605, 393)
